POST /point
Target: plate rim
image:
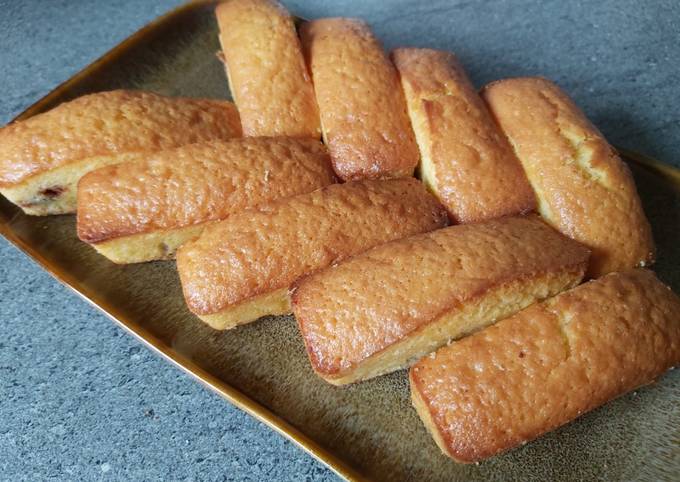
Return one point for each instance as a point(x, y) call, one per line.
point(231, 394)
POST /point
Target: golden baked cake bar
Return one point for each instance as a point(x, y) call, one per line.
point(381, 310)
point(266, 69)
point(465, 160)
point(43, 157)
point(241, 268)
point(583, 187)
point(363, 113)
point(145, 208)
point(547, 365)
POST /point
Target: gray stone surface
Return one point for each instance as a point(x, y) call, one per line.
point(80, 400)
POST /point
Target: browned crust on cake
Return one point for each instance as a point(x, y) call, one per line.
point(548, 364)
point(465, 160)
point(107, 124)
point(583, 187)
point(363, 113)
point(263, 250)
point(266, 69)
point(196, 183)
point(351, 313)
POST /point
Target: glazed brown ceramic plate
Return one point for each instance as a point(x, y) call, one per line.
point(364, 431)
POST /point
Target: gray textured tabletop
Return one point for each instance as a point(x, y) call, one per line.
point(81, 400)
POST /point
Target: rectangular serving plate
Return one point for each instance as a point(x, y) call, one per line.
point(365, 431)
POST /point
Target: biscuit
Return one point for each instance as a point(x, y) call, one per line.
point(583, 188)
point(381, 310)
point(547, 365)
point(267, 74)
point(144, 209)
point(43, 157)
point(465, 160)
point(241, 268)
point(363, 112)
